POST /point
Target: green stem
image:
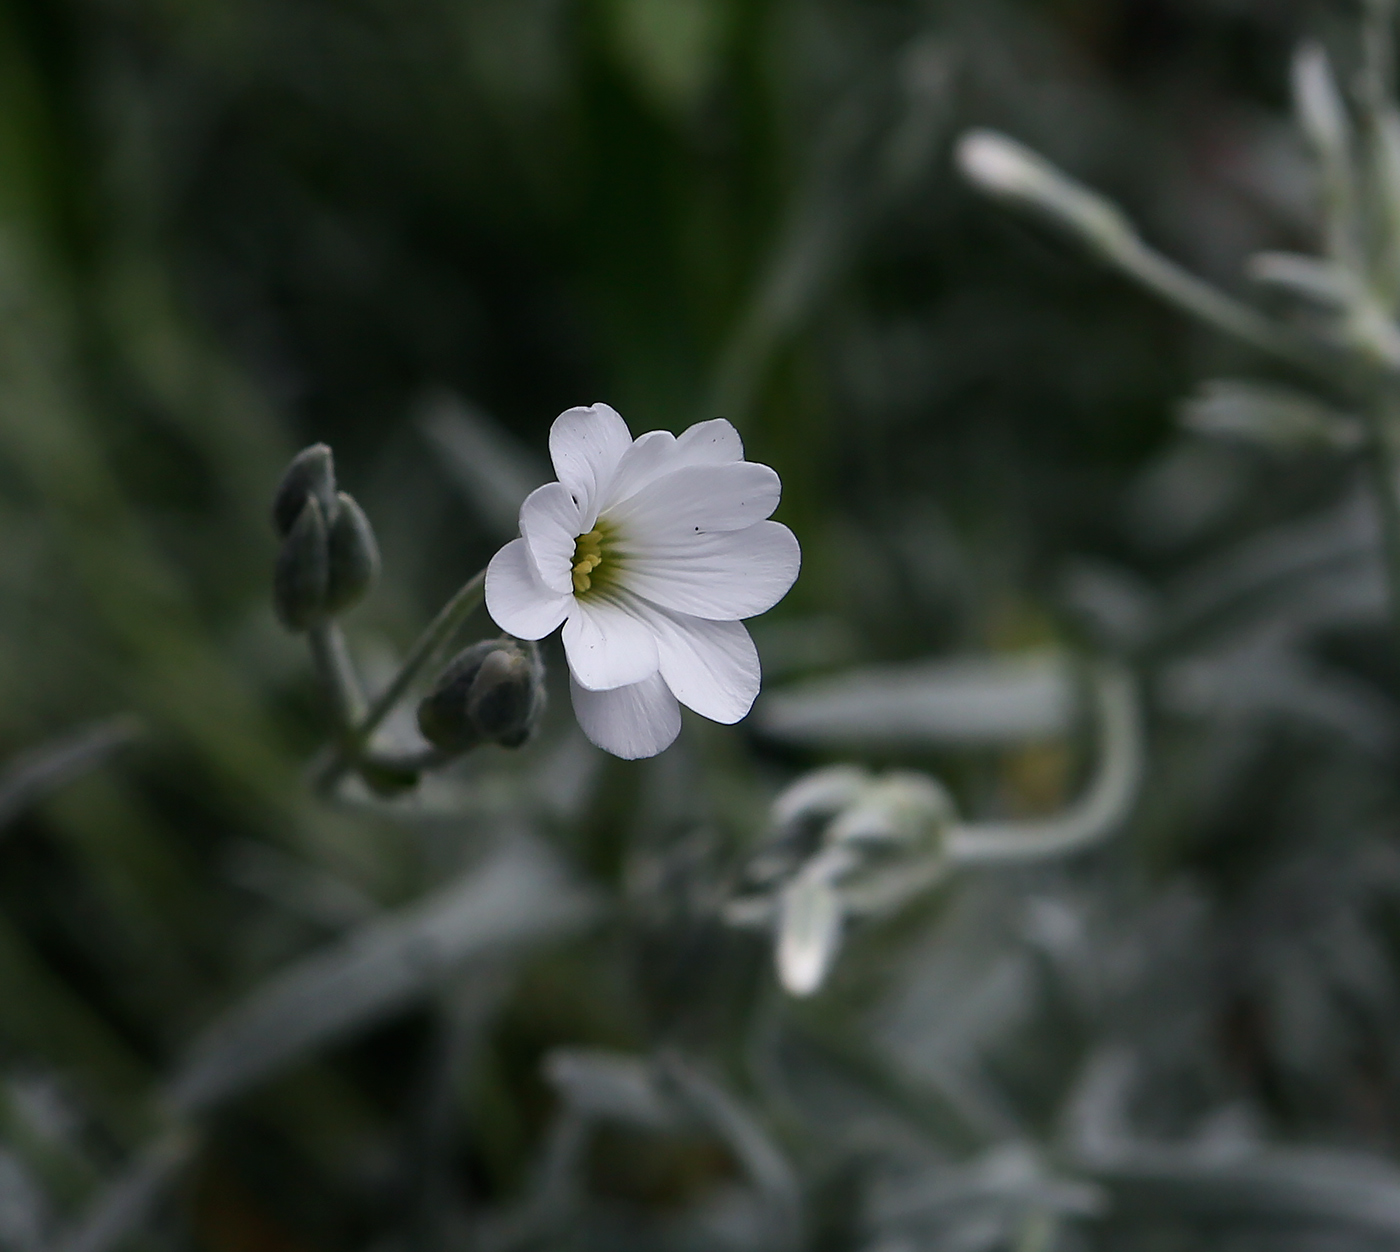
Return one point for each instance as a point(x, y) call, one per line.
point(337, 673)
point(429, 647)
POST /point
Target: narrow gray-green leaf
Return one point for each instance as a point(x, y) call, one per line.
point(966, 700)
point(520, 895)
point(43, 770)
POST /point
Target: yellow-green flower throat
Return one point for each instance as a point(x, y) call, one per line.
point(588, 563)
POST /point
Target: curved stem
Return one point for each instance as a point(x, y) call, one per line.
point(1099, 812)
point(337, 674)
point(428, 647)
point(1210, 305)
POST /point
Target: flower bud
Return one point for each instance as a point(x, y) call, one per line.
point(353, 555)
point(493, 692)
point(901, 808)
point(302, 575)
point(310, 475)
point(800, 816)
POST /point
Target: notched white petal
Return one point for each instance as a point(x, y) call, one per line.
point(631, 722)
point(549, 524)
point(649, 456)
point(722, 577)
point(710, 443)
point(607, 646)
point(698, 499)
point(519, 603)
point(711, 667)
point(586, 445)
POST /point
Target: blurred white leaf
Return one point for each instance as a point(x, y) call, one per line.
point(809, 931)
point(1009, 1180)
point(1276, 416)
point(1310, 278)
point(613, 1085)
point(966, 700)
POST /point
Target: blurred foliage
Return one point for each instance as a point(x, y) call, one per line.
point(503, 1012)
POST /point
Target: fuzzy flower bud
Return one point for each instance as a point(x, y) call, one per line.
point(329, 558)
point(310, 474)
point(302, 573)
point(492, 692)
point(899, 809)
point(842, 844)
point(353, 555)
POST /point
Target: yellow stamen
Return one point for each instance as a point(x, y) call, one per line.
point(588, 556)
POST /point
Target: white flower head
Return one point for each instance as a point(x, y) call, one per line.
point(649, 552)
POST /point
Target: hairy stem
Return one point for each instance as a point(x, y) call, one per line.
point(337, 674)
point(429, 647)
point(1099, 812)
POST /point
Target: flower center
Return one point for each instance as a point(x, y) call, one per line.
point(588, 556)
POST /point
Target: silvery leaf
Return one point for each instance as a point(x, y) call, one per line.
point(613, 1085)
point(966, 700)
point(1269, 414)
point(519, 895)
point(809, 932)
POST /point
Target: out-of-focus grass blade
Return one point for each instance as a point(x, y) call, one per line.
point(1284, 1185)
point(1010, 1178)
point(767, 1168)
point(24, 1208)
point(518, 896)
point(1270, 415)
point(966, 700)
point(612, 1085)
point(125, 1205)
point(297, 886)
point(39, 1014)
point(493, 470)
point(43, 770)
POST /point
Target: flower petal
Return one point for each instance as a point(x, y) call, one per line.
point(519, 603)
point(710, 443)
point(607, 646)
point(711, 667)
point(549, 523)
point(631, 722)
point(721, 577)
point(696, 500)
point(650, 456)
point(659, 452)
point(586, 445)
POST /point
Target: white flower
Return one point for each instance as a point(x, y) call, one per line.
point(649, 552)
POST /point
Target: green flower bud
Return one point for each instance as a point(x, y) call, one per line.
point(302, 575)
point(492, 692)
point(311, 475)
point(353, 555)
